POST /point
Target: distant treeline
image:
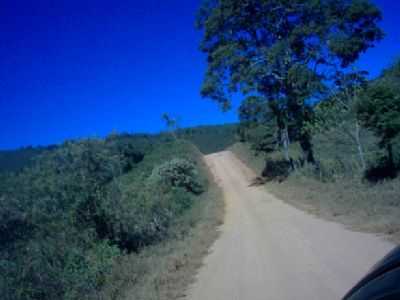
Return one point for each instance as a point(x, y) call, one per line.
point(14, 160)
point(208, 139)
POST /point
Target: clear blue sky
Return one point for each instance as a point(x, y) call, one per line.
point(72, 69)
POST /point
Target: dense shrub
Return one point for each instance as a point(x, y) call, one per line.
point(50, 247)
point(68, 217)
point(276, 169)
point(141, 205)
point(62, 263)
point(380, 171)
point(179, 173)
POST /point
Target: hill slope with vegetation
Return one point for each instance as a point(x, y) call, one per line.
point(71, 217)
point(208, 139)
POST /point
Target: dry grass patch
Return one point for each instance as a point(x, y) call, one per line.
point(362, 207)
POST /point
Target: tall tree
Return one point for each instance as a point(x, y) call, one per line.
point(379, 109)
point(338, 112)
point(171, 123)
point(286, 51)
point(257, 124)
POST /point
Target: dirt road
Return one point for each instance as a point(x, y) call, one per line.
point(270, 250)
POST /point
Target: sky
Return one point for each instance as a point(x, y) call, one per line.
point(72, 69)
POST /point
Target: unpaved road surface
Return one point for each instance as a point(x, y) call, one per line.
point(270, 250)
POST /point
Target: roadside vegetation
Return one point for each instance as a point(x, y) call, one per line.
point(319, 131)
point(356, 142)
point(360, 205)
point(91, 219)
point(165, 270)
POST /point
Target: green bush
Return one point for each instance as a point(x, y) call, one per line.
point(141, 205)
point(179, 173)
point(276, 169)
point(49, 229)
point(61, 263)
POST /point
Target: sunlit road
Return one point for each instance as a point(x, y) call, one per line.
point(270, 250)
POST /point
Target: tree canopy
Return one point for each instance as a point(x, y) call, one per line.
point(379, 109)
point(285, 51)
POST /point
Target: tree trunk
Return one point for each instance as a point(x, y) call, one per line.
point(307, 148)
point(285, 142)
point(359, 146)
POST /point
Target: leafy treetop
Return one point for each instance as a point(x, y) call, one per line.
point(285, 51)
point(281, 48)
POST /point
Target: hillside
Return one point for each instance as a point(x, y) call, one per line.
point(207, 139)
point(87, 211)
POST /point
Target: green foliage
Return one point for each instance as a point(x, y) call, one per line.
point(276, 169)
point(257, 125)
point(50, 228)
point(282, 50)
point(340, 107)
point(379, 109)
point(342, 125)
point(178, 173)
point(65, 220)
point(137, 212)
point(337, 115)
point(263, 138)
point(254, 110)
